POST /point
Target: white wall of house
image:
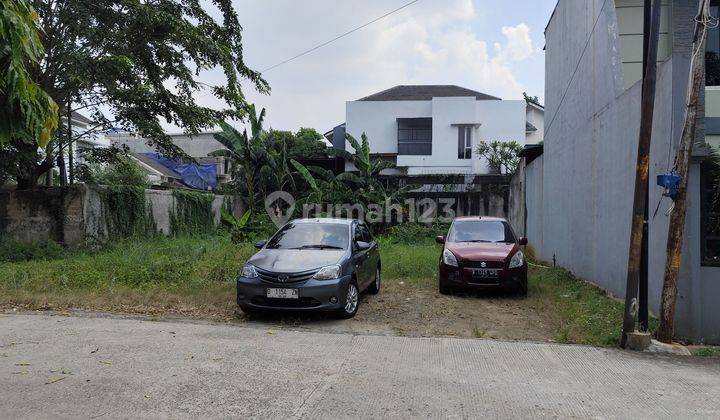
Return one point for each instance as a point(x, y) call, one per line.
point(535, 116)
point(492, 120)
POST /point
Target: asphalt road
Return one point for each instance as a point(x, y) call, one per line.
point(85, 367)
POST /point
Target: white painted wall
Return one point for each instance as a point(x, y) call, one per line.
point(497, 120)
point(536, 117)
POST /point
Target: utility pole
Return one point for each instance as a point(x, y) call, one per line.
point(647, 109)
point(643, 309)
point(682, 161)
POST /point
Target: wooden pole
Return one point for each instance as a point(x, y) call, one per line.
point(647, 109)
point(643, 314)
point(682, 161)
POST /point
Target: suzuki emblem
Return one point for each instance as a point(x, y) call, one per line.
point(483, 265)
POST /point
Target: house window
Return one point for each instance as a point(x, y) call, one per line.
point(414, 136)
point(710, 214)
point(465, 142)
point(712, 49)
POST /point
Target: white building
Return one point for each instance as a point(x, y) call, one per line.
point(434, 129)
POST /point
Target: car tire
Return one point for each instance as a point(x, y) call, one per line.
point(522, 289)
point(443, 288)
point(374, 288)
point(351, 295)
point(248, 310)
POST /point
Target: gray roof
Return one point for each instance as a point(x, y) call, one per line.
point(425, 93)
point(164, 170)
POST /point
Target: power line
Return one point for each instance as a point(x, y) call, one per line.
point(339, 36)
point(557, 110)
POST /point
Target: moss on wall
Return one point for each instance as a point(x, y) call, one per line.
point(193, 213)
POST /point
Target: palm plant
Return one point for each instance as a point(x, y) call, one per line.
point(248, 154)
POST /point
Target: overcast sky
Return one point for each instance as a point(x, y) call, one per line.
point(493, 46)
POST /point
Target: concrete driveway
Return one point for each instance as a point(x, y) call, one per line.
point(84, 367)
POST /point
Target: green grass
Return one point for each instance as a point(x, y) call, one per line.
point(706, 351)
point(585, 313)
point(195, 275)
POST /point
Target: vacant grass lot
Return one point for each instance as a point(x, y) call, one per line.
point(194, 277)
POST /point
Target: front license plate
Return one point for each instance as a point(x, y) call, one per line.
point(283, 293)
point(485, 274)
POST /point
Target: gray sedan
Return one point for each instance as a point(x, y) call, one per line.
point(312, 264)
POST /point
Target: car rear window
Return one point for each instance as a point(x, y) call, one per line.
point(480, 231)
point(311, 236)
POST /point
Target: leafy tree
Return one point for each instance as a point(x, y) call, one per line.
point(27, 113)
point(131, 63)
point(123, 171)
point(531, 99)
point(500, 155)
point(305, 143)
point(368, 167)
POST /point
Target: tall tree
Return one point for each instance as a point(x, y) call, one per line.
point(133, 63)
point(27, 113)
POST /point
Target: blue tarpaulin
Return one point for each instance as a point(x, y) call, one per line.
point(194, 175)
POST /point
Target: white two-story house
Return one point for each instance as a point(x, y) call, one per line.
point(434, 129)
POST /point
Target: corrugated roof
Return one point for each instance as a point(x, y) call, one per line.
point(426, 93)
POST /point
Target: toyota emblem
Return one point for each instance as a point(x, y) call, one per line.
point(483, 265)
point(282, 278)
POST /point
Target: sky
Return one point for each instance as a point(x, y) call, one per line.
point(493, 46)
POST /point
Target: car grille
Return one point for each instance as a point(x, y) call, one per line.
point(304, 302)
point(272, 277)
point(478, 264)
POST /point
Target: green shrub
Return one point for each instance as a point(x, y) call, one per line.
point(123, 171)
point(193, 213)
point(126, 212)
point(14, 251)
point(412, 233)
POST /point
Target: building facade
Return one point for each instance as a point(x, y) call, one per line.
point(434, 129)
point(579, 192)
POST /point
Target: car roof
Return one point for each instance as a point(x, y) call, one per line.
point(478, 218)
point(326, 220)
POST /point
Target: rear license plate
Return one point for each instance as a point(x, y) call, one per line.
point(283, 293)
point(485, 274)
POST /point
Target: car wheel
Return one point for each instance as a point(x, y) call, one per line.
point(444, 288)
point(248, 310)
point(351, 302)
point(522, 289)
point(374, 288)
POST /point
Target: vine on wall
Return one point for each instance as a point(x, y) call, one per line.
point(126, 212)
point(193, 213)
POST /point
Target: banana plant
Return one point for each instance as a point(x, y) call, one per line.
point(239, 228)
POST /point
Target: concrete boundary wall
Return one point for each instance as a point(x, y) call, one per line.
point(76, 215)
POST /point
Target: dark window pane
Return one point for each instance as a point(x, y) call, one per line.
point(414, 136)
point(712, 51)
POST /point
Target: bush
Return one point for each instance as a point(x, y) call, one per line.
point(14, 251)
point(412, 233)
point(123, 171)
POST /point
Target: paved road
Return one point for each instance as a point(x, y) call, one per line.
point(132, 368)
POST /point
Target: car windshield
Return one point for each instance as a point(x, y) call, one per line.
point(480, 231)
point(311, 236)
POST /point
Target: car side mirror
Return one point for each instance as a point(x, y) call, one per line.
point(362, 245)
point(523, 241)
point(440, 239)
point(260, 244)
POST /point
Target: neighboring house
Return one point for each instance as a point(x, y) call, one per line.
point(89, 138)
point(433, 129)
point(580, 185)
point(534, 123)
point(197, 147)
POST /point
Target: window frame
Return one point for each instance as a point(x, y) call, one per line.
point(465, 137)
point(414, 136)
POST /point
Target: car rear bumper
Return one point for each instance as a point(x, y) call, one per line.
point(463, 278)
point(314, 295)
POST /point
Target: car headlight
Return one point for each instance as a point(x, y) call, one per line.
point(449, 258)
point(328, 273)
point(517, 260)
point(248, 271)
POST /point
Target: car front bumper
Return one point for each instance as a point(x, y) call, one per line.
point(314, 295)
point(462, 277)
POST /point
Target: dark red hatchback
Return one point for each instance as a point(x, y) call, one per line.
point(482, 252)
